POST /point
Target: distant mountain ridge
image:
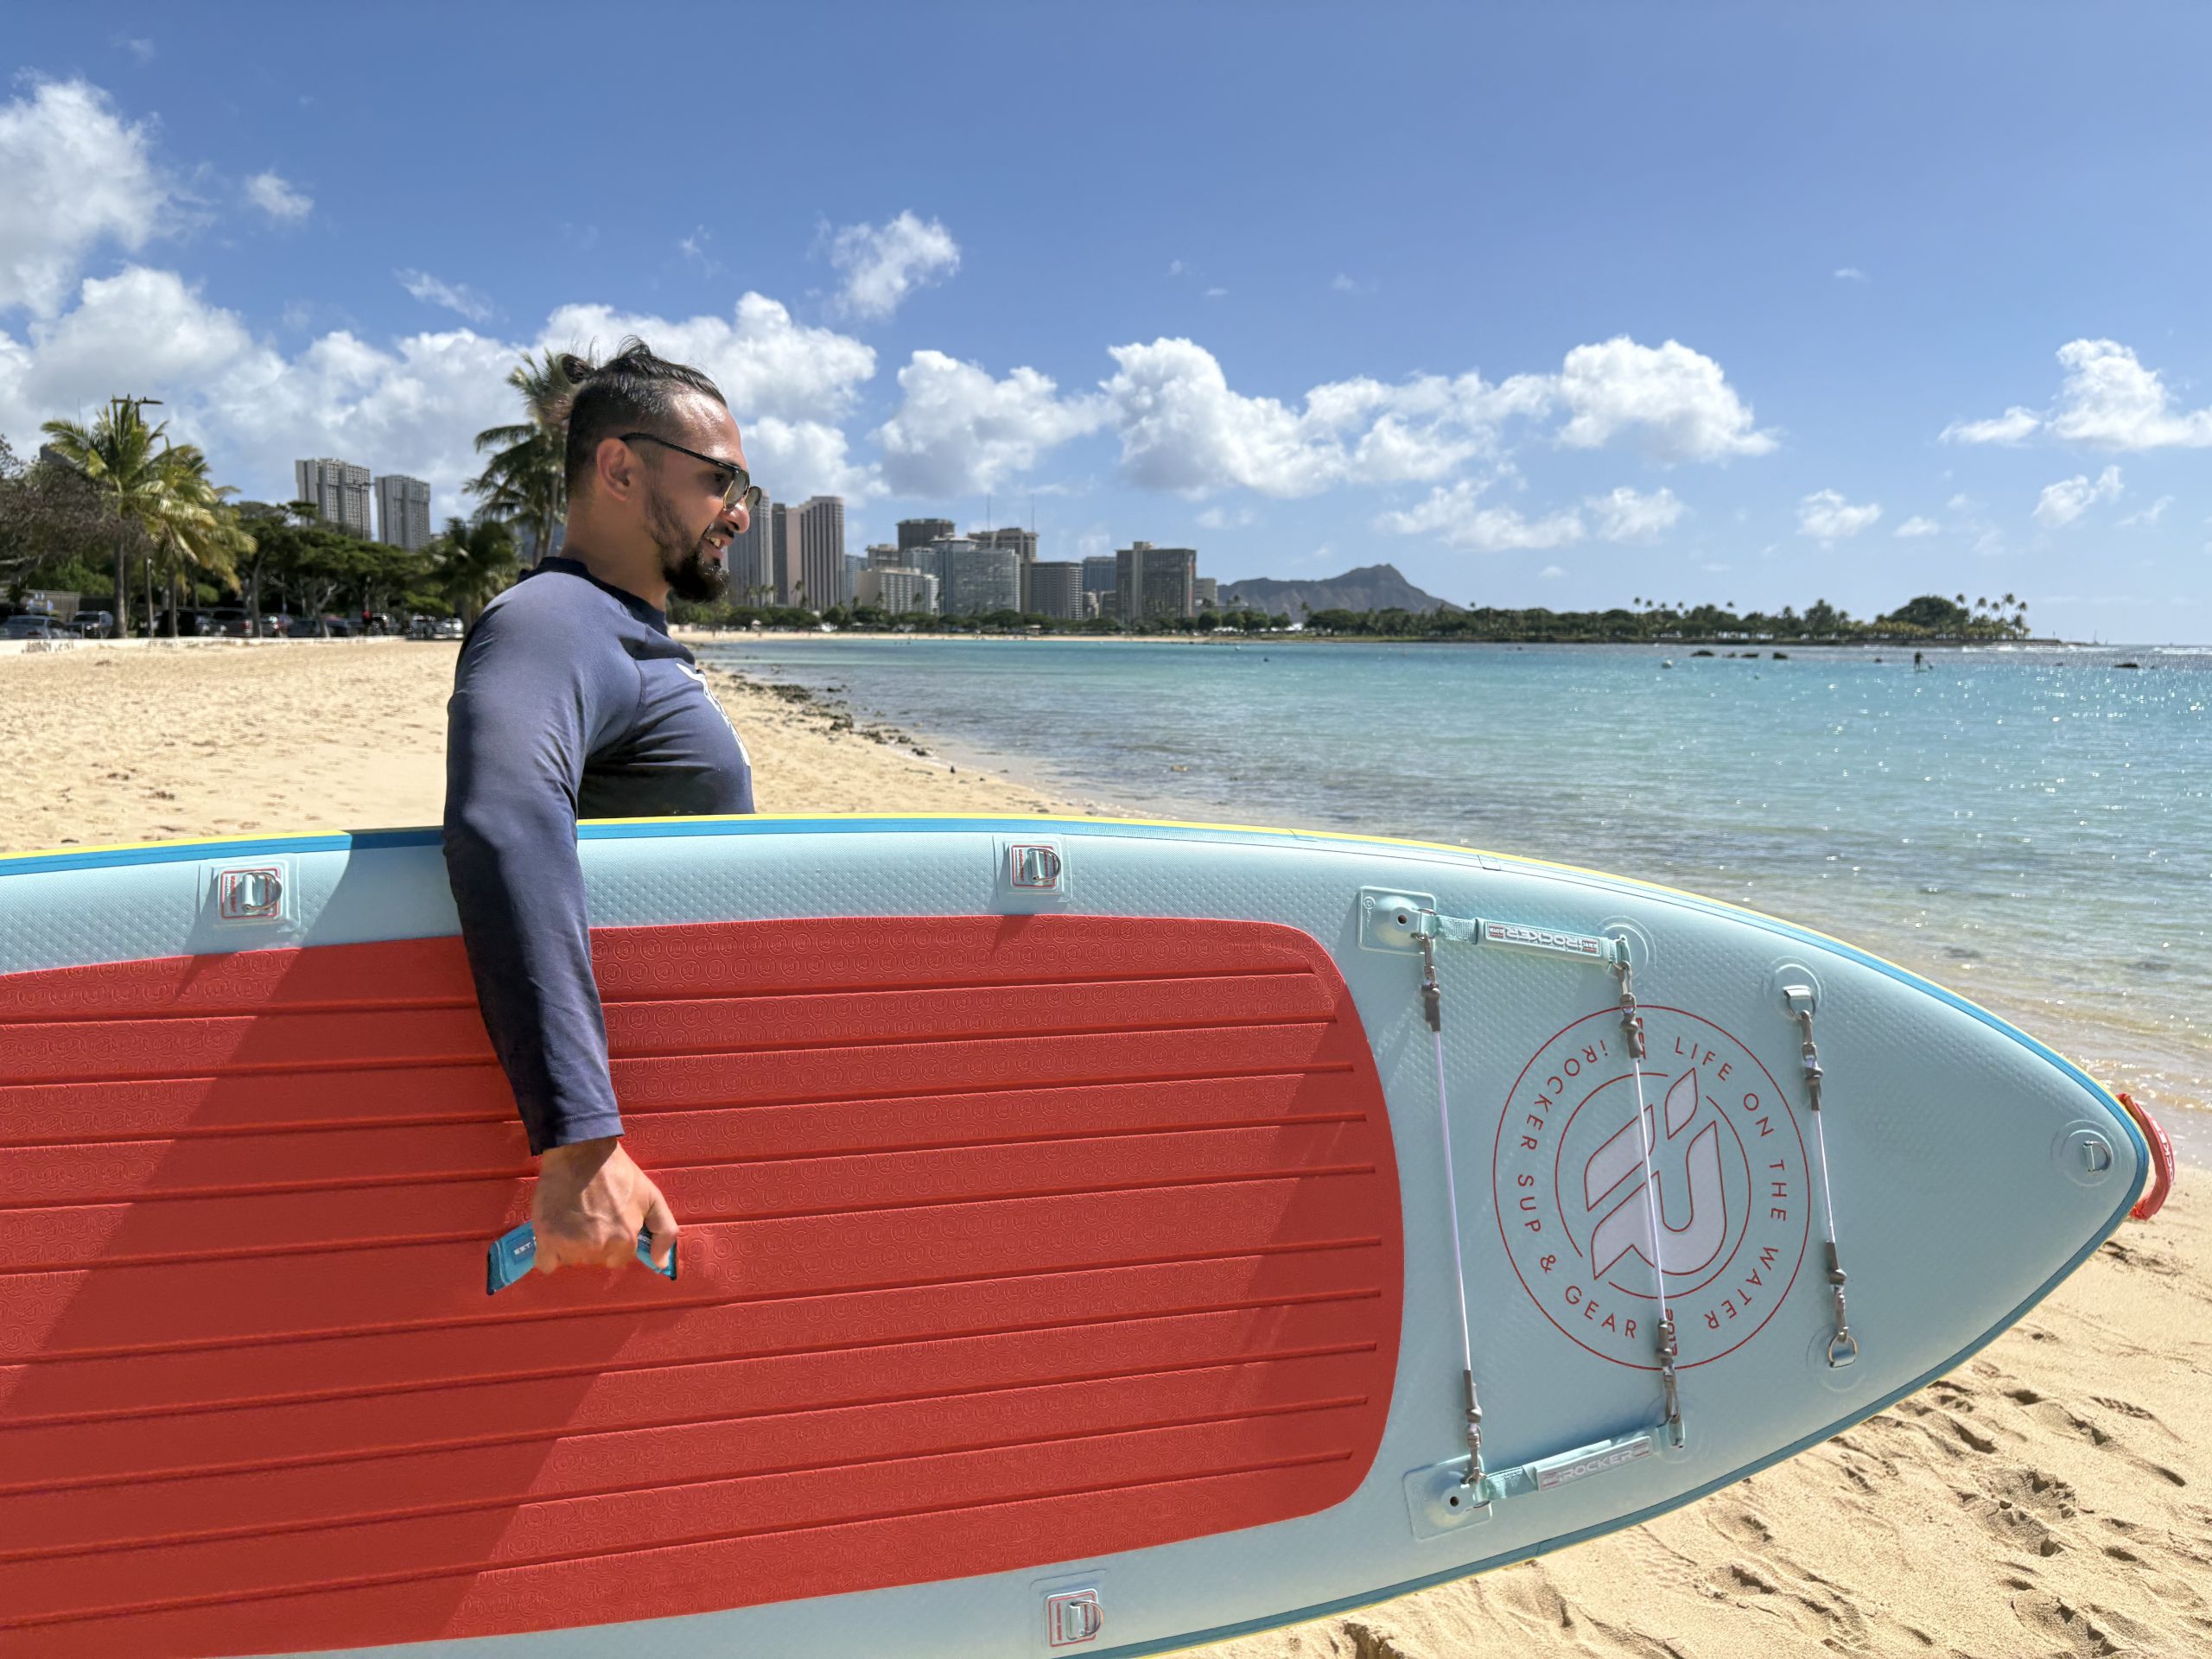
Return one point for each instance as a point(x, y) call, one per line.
point(1371, 587)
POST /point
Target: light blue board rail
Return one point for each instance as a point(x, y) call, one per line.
point(1961, 1196)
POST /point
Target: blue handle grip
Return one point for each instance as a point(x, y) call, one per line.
point(513, 1254)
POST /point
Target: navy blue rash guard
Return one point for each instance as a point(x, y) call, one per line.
point(570, 701)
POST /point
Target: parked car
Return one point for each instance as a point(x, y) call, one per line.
point(190, 624)
point(227, 623)
point(334, 627)
point(278, 625)
point(95, 625)
point(33, 627)
point(447, 627)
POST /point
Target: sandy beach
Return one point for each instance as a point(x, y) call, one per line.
point(2052, 1496)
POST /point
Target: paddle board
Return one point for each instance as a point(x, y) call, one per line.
point(1072, 1260)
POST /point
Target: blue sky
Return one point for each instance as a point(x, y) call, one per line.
point(1555, 305)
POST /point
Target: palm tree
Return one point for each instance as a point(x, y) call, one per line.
point(472, 562)
point(198, 529)
point(524, 481)
point(122, 457)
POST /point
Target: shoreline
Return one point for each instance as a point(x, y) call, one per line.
point(2045, 1496)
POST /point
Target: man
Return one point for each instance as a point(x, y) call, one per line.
point(571, 700)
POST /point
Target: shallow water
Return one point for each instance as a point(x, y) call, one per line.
point(2028, 826)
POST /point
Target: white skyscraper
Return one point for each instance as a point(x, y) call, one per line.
point(821, 562)
point(339, 491)
point(403, 510)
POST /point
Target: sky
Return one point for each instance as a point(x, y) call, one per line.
point(1559, 305)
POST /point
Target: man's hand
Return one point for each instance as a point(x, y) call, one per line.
point(589, 1205)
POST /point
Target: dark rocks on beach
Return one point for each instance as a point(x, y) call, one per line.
point(2128, 665)
point(1781, 656)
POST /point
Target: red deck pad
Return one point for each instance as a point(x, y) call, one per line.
point(1009, 1242)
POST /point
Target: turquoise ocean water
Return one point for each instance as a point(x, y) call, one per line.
point(2031, 827)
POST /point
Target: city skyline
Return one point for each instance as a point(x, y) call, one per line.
point(1748, 314)
point(341, 492)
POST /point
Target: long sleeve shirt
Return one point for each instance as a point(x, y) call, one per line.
point(570, 702)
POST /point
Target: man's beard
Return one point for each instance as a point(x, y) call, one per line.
point(690, 572)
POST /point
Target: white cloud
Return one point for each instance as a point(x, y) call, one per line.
point(143, 330)
point(454, 296)
point(1217, 518)
point(1456, 516)
point(884, 263)
point(1826, 517)
point(139, 47)
point(2149, 515)
point(2108, 401)
point(1550, 571)
point(2067, 499)
point(693, 249)
point(279, 199)
point(72, 176)
point(765, 362)
point(1850, 274)
point(958, 431)
point(415, 405)
point(2012, 427)
point(796, 458)
point(1917, 526)
point(2112, 401)
point(1183, 428)
point(1625, 516)
point(1216, 294)
point(1675, 403)
point(1343, 284)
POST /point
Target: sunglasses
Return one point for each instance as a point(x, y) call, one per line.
point(738, 488)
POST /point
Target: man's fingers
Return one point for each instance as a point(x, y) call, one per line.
point(660, 1221)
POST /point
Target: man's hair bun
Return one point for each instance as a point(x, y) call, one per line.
point(632, 391)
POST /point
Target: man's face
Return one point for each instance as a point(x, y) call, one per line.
point(684, 512)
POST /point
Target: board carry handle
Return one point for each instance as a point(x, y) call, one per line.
point(1564, 1468)
point(514, 1254)
point(1446, 1496)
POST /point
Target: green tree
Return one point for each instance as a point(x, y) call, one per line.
point(123, 458)
point(524, 482)
point(472, 563)
point(199, 530)
point(51, 519)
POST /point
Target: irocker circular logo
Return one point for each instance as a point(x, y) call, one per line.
point(1578, 1212)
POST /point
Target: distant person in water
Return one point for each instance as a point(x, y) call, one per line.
point(570, 701)
point(1918, 664)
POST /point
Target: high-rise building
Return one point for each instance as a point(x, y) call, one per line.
point(920, 533)
point(339, 489)
point(887, 554)
point(1154, 583)
point(783, 552)
point(1100, 573)
point(752, 559)
point(1205, 593)
point(928, 557)
point(898, 589)
point(1022, 542)
point(980, 580)
point(821, 572)
point(403, 510)
point(1052, 588)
